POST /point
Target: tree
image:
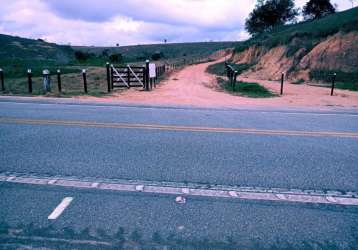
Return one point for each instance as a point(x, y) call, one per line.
point(317, 8)
point(116, 58)
point(268, 14)
point(157, 56)
point(82, 56)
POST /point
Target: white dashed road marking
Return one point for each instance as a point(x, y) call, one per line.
point(60, 208)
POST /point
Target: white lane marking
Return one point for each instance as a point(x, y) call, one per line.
point(139, 188)
point(60, 208)
point(185, 190)
point(233, 194)
point(331, 199)
point(281, 196)
point(95, 184)
point(52, 182)
point(248, 193)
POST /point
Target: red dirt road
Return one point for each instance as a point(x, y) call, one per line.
point(192, 86)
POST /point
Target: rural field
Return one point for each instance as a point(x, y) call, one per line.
point(179, 124)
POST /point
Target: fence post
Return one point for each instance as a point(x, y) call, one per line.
point(333, 83)
point(147, 75)
point(2, 80)
point(232, 77)
point(46, 80)
point(128, 76)
point(111, 77)
point(282, 79)
point(84, 80)
point(29, 80)
point(234, 82)
point(59, 81)
point(108, 78)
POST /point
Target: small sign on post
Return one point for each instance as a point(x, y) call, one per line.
point(46, 80)
point(152, 71)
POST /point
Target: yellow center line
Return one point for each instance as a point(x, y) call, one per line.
point(178, 128)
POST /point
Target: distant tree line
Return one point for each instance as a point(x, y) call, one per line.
point(83, 56)
point(106, 55)
point(269, 14)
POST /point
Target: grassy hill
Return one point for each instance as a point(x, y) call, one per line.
point(309, 32)
point(306, 51)
point(167, 51)
point(18, 54)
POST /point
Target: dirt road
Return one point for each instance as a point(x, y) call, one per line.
point(192, 86)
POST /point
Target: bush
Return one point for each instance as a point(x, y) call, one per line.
point(116, 58)
point(157, 56)
point(82, 56)
point(248, 89)
point(219, 68)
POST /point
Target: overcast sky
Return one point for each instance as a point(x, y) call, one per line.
point(107, 22)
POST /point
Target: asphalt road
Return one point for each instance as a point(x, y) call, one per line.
point(248, 157)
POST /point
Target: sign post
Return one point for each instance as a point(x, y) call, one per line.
point(152, 73)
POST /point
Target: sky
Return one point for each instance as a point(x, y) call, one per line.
point(129, 22)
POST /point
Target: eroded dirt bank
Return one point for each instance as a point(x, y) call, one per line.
point(336, 52)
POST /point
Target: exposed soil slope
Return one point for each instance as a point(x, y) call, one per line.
point(337, 52)
point(309, 50)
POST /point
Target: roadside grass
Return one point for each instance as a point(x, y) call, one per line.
point(344, 80)
point(17, 68)
point(72, 84)
point(219, 68)
point(248, 89)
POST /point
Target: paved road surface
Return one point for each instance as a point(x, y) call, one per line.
point(289, 149)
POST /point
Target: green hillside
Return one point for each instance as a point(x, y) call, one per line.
point(19, 54)
point(309, 32)
point(167, 51)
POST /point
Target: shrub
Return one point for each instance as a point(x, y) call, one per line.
point(82, 56)
point(116, 58)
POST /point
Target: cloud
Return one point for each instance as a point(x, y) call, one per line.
point(199, 13)
point(107, 22)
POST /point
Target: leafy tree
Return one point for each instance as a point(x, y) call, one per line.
point(268, 14)
point(116, 58)
point(317, 8)
point(157, 56)
point(82, 56)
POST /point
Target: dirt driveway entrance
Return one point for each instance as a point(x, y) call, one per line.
point(193, 86)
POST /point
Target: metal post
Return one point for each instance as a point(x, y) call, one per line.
point(147, 75)
point(29, 80)
point(2, 80)
point(108, 78)
point(232, 77)
point(333, 83)
point(234, 80)
point(84, 80)
point(59, 81)
point(282, 78)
